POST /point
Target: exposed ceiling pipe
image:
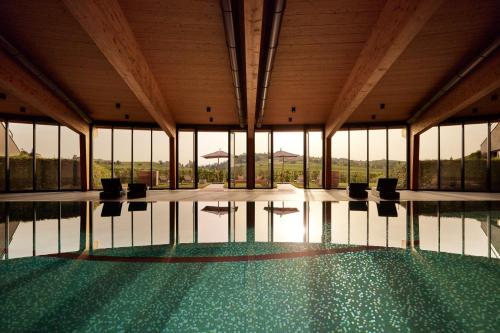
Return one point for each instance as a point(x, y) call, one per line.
point(455, 79)
point(268, 58)
point(230, 29)
point(15, 53)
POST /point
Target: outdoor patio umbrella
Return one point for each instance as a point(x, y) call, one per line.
point(283, 154)
point(218, 155)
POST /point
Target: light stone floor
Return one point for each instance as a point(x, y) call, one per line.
point(282, 193)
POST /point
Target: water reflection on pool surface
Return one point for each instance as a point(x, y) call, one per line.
point(256, 266)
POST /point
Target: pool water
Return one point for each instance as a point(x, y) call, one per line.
point(250, 266)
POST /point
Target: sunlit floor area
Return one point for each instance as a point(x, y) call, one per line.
point(250, 266)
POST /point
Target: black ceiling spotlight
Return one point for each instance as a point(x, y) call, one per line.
point(290, 119)
point(211, 119)
point(494, 97)
point(382, 106)
point(474, 110)
point(3, 96)
point(117, 105)
point(22, 109)
point(293, 109)
point(127, 116)
point(374, 116)
point(209, 109)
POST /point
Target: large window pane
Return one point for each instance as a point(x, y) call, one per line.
point(21, 156)
point(185, 169)
point(358, 158)
point(122, 155)
point(450, 157)
point(47, 152)
point(397, 155)
point(428, 159)
point(142, 156)
point(3, 128)
point(475, 156)
point(101, 147)
point(377, 155)
point(314, 164)
point(70, 159)
point(288, 154)
point(340, 158)
point(263, 159)
point(212, 158)
point(161, 158)
point(238, 159)
point(495, 156)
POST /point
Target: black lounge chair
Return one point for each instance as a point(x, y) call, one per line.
point(112, 188)
point(137, 190)
point(386, 189)
point(357, 190)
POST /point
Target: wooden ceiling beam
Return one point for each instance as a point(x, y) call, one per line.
point(253, 12)
point(22, 84)
point(477, 84)
point(108, 27)
point(398, 24)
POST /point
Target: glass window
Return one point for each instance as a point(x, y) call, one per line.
point(263, 159)
point(21, 156)
point(142, 156)
point(475, 156)
point(70, 159)
point(377, 155)
point(288, 154)
point(428, 159)
point(185, 168)
point(122, 155)
point(450, 148)
point(238, 158)
point(340, 158)
point(3, 128)
point(47, 157)
point(161, 158)
point(101, 161)
point(495, 156)
point(397, 155)
point(358, 158)
point(212, 158)
point(314, 160)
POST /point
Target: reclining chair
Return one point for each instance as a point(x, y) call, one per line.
point(357, 190)
point(386, 189)
point(112, 188)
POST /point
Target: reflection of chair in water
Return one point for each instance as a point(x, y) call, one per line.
point(111, 209)
point(387, 209)
point(137, 206)
point(358, 206)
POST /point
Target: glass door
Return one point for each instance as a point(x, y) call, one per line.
point(314, 159)
point(237, 159)
point(263, 160)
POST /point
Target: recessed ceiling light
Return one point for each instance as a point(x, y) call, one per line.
point(211, 119)
point(374, 116)
point(22, 109)
point(127, 116)
point(290, 119)
point(118, 105)
point(3, 96)
point(294, 109)
point(382, 106)
point(474, 110)
point(209, 109)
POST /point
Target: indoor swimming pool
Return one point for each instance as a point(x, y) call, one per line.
point(250, 266)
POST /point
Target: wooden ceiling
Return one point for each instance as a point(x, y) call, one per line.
point(184, 45)
point(486, 106)
point(12, 105)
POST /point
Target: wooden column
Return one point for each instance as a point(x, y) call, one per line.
point(250, 163)
point(173, 163)
point(328, 163)
point(414, 160)
point(85, 162)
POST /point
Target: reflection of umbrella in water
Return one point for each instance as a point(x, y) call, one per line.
point(282, 210)
point(217, 210)
point(218, 155)
point(283, 154)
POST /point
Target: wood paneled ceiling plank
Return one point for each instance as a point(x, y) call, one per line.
point(399, 22)
point(107, 26)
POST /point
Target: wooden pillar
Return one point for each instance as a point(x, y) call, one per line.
point(85, 161)
point(328, 163)
point(173, 162)
point(414, 160)
point(251, 162)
